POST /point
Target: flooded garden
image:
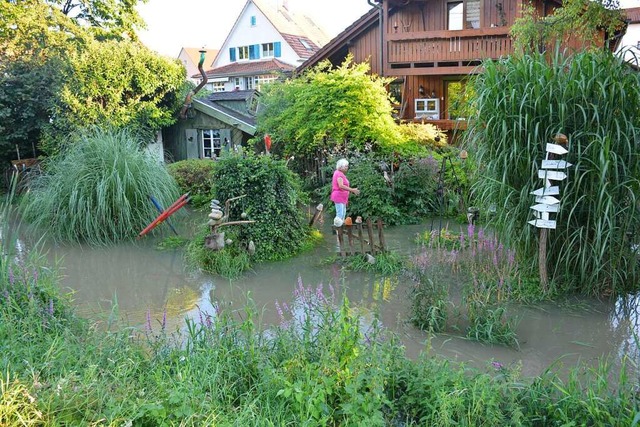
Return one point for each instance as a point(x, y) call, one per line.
point(144, 285)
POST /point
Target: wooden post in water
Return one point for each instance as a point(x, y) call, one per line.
point(340, 241)
point(372, 244)
point(381, 235)
point(350, 236)
point(361, 237)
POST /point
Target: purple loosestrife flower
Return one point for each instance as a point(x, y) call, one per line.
point(497, 365)
point(280, 312)
point(51, 307)
point(461, 241)
point(481, 237)
point(333, 293)
point(148, 326)
point(164, 319)
point(200, 316)
point(208, 321)
point(470, 231)
point(511, 257)
point(35, 276)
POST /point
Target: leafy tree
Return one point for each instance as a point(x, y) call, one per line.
point(584, 20)
point(594, 99)
point(105, 19)
point(28, 89)
point(326, 107)
point(120, 84)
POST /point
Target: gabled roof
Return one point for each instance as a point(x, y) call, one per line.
point(250, 68)
point(287, 22)
point(297, 43)
point(194, 55)
point(212, 106)
point(339, 41)
point(632, 14)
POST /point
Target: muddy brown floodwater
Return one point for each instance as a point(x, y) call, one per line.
point(138, 279)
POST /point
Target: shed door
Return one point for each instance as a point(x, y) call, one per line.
point(193, 151)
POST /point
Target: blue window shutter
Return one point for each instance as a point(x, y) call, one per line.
point(253, 21)
point(254, 52)
point(277, 51)
point(232, 54)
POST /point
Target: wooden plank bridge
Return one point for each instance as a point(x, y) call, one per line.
point(360, 238)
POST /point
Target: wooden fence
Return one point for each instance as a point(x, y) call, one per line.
point(360, 238)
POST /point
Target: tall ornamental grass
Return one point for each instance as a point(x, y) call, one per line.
point(97, 190)
point(594, 99)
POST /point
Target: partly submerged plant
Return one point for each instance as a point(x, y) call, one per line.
point(97, 190)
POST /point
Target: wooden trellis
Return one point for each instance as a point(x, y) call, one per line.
point(360, 238)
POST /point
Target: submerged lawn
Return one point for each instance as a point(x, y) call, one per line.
point(322, 366)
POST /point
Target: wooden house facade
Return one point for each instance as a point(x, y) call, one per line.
point(430, 47)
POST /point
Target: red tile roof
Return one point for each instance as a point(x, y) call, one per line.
point(633, 14)
point(297, 44)
point(250, 68)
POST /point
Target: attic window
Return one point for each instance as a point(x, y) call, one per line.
point(305, 44)
point(253, 21)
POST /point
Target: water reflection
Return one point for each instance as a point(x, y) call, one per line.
point(143, 281)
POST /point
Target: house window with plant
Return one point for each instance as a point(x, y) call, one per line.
point(211, 144)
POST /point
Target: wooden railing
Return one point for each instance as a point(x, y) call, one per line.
point(449, 46)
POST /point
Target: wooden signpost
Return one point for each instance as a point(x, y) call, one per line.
point(546, 203)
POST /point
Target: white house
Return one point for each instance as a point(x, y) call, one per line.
point(265, 41)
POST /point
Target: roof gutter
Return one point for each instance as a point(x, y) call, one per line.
point(191, 94)
point(377, 5)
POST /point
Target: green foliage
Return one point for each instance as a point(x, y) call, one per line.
point(594, 99)
point(582, 20)
point(116, 84)
point(407, 195)
point(273, 200)
point(429, 304)
point(385, 263)
point(98, 190)
point(325, 107)
point(323, 365)
point(194, 176)
point(18, 405)
point(28, 91)
point(417, 137)
point(229, 262)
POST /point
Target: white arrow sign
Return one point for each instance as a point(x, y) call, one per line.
point(543, 207)
point(547, 200)
point(556, 149)
point(543, 223)
point(554, 175)
point(555, 164)
point(547, 191)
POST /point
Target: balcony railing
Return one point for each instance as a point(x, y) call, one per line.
point(427, 48)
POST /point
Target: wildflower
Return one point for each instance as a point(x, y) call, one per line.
point(164, 319)
point(497, 365)
point(51, 307)
point(148, 320)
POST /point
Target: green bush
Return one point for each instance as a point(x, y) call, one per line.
point(194, 176)
point(229, 262)
point(274, 200)
point(97, 190)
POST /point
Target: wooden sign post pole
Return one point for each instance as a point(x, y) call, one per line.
point(546, 203)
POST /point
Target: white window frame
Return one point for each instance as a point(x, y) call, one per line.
point(268, 50)
point(218, 87)
point(211, 143)
point(243, 53)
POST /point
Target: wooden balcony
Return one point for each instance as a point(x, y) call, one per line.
point(445, 52)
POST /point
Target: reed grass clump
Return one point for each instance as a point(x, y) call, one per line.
point(593, 98)
point(97, 190)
